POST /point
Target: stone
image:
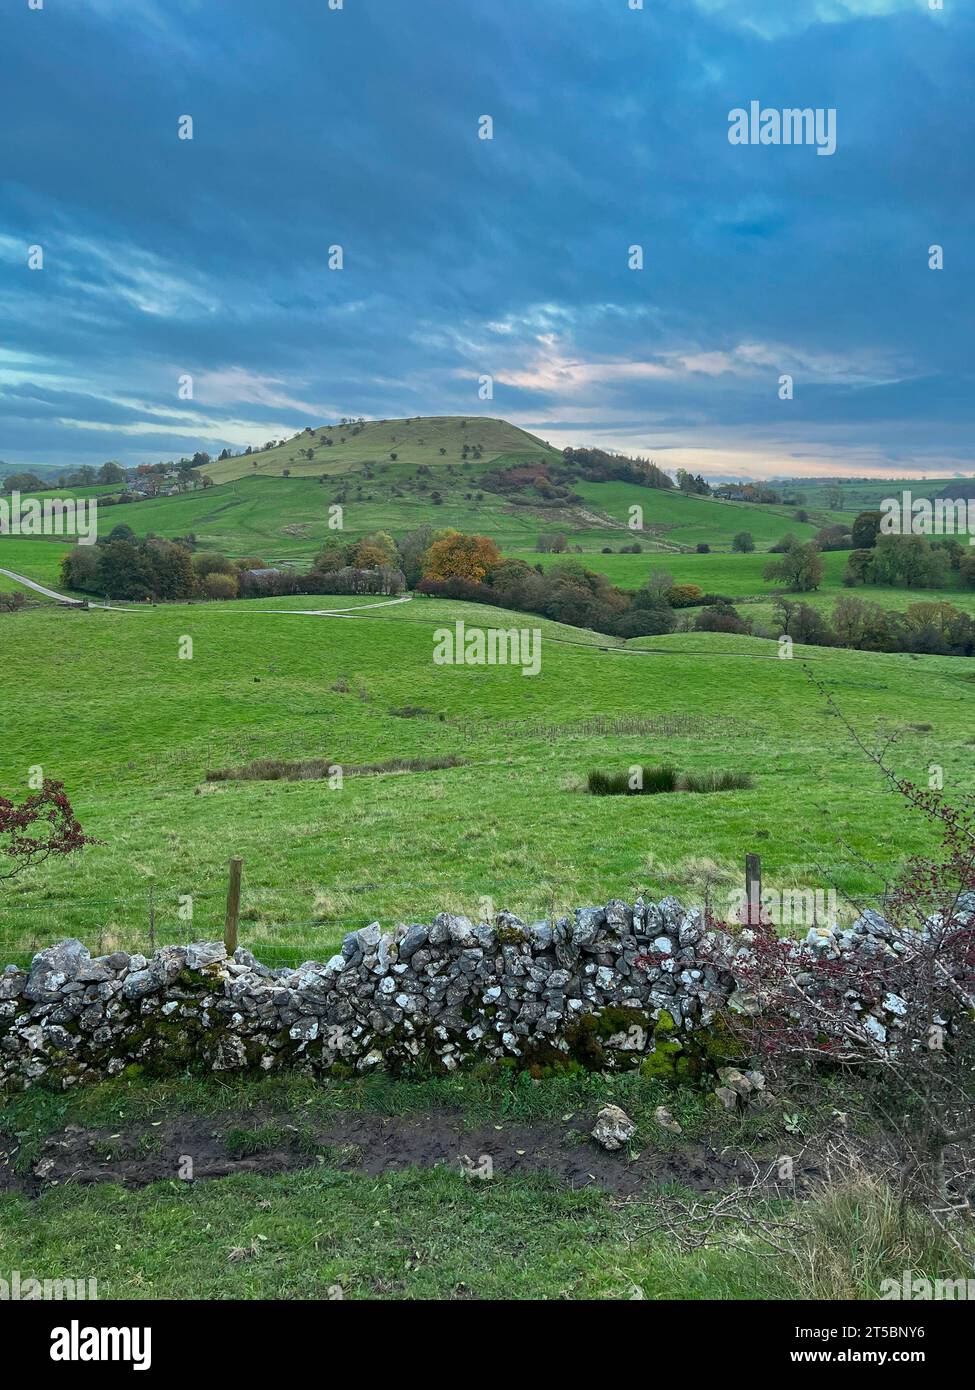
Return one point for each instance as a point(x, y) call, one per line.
point(736, 1080)
point(415, 938)
point(53, 968)
point(141, 983)
point(199, 955)
point(588, 920)
point(613, 1128)
point(666, 1120)
point(461, 991)
point(728, 1097)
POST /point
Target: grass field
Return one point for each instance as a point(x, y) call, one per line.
point(132, 731)
point(863, 494)
point(688, 521)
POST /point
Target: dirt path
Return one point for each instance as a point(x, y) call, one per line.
point(109, 607)
point(40, 588)
point(373, 1144)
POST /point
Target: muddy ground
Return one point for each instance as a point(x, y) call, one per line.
point(373, 1144)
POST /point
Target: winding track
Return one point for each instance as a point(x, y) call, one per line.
point(302, 612)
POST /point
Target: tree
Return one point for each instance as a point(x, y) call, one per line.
point(209, 562)
point(22, 482)
point(39, 827)
point(463, 557)
point(383, 543)
point(743, 543)
point(124, 571)
point(834, 537)
point(219, 586)
point(803, 623)
point(800, 568)
point(368, 556)
point(865, 530)
point(785, 543)
point(79, 568)
point(863, 626)
point(111, 472)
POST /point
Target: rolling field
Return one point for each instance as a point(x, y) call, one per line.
point(859, 494)
point(681, 520)
point(739, 577)
point(106, 705)
point(35, 558)
point(287, 518)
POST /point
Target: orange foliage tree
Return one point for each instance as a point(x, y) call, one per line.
point(461, 557)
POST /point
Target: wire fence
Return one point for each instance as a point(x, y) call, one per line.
point(146, 920)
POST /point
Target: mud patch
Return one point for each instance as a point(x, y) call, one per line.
point(373, 1144)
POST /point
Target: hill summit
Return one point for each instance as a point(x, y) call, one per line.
point(359, 445)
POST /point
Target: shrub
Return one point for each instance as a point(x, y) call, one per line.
point(721, 617)
point(645, 622)
point(209, 562)
point(684, 595)
point(219, 586)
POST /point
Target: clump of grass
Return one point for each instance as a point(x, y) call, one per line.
point(714, 782)
point(246, 1143)
point(410, 711)
point(315, 769)
point(652, 781)
point(645, 781)
point(859, 1233)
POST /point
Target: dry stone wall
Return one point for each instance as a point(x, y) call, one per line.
point(614, 986)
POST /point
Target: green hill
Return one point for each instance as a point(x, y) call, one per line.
point(391, 445)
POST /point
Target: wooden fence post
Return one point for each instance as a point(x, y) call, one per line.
point(753, 888)
point(233, 906)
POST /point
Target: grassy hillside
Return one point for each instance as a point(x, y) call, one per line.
point(287, 518)
point(435, 441)
point(864, 494)
point(132, 730)
point(687, 521)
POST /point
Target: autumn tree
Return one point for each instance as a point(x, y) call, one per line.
point(461, 557)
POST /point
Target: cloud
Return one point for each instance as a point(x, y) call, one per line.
point(465, 257)
point(771, 19)
point(237, 385)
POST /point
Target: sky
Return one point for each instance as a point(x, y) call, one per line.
point(173, 265)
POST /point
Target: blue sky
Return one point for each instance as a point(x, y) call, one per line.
point(465, 257)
